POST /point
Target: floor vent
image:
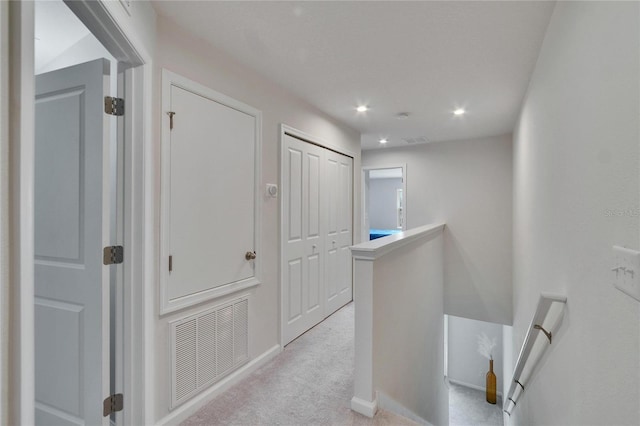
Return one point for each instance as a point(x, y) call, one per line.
point(207, 346)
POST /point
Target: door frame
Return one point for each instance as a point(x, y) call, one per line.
point(121, 40)
point(365, 196)
point(305, 137)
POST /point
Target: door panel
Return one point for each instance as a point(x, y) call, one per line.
point(339, 288)
point(212, 156)
point(302, 198)
point(71, 284)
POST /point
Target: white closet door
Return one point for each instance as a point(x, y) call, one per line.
point(71, 228)
point(338, 237)
point(303, 266)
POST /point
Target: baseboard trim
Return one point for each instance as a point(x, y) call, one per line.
point(469, 385)
point(366, 408)
point(389, 404)
point(183, 412)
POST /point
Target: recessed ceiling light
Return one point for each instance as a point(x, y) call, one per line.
point(362, 108)
point(459, 111)
point(383, 140)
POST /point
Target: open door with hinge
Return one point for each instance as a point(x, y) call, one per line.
point(72, 227)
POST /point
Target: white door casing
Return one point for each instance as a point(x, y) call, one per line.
point(71, 228)
point(303, 272)
point(317, 206)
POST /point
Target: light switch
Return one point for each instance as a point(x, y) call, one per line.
point(626, 271)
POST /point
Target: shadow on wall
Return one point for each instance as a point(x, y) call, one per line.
point(462, 281)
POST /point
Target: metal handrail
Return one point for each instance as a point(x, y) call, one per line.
point(544, 305)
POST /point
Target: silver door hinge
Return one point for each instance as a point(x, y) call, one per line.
point(171, 114)
point(113, 255)
point(170, 263)
point(113, 106)
point(112, 404)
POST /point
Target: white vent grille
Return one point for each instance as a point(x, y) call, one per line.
point(412, 141)
point(206, 346)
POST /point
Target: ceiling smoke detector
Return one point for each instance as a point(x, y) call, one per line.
point(412, 141)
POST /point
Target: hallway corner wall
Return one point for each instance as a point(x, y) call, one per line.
point(193, 58)
point(466, 184)
point(576, 194)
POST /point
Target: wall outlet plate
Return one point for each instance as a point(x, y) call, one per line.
point(626, 271)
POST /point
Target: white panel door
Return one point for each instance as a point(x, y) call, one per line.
point(212, 195)
point(338, 237)
point(71, 228)
point(303, 266)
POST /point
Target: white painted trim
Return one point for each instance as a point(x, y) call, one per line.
point(190, 407)
point(389, 404)
point(21, 205)
point(167, 305)
point(469, 385)
point(299, 134)
point(372, 250)
point(403, 166)
point(4, 206)
point(363, 407)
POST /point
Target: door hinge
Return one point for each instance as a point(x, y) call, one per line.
point(171, 114)
point(113, 255)
point(112, 404)
point(113, 106)
point(170, 263)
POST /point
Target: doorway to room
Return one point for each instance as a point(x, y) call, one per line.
point(384, 194)
point(79, 218)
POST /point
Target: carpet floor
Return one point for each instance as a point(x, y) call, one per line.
point(469, 407)
point(309, 383)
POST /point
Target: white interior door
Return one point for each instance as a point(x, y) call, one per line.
point(317, 233)
point(71, 229)
point(339, 236)
point(303, 269)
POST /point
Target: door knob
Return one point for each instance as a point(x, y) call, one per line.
point(250, 255)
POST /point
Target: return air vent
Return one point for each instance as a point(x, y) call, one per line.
point(412, 141)
point(207, 346)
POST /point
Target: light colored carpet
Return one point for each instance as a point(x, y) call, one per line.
point(309, 383)
point(469, 407)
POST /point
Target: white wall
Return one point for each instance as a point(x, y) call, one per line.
point(205, 64)
point(467, 185)
point(4, 223)
point(465, 365)
point(408, 337)
point(576, 165)
point(383, 212)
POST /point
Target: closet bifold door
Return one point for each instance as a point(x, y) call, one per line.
point(317, 224)
point(303, 252)
point(339, 225)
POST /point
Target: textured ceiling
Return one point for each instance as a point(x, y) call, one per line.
point(424, 58)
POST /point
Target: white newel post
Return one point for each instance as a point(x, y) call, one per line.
point(364, 398)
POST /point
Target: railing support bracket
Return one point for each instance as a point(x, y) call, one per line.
point(546, 333)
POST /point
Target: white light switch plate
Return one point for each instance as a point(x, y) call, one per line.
point(626, 271)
